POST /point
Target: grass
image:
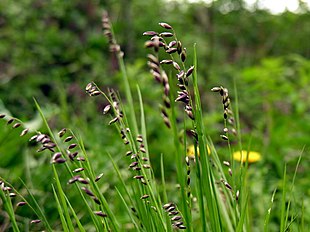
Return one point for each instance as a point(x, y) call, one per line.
point(212, 193)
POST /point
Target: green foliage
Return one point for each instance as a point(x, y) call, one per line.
point(49, 50)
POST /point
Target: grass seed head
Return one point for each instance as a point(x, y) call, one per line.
point(62, 132)
point(24, 132)
point(100, 213)
point(36, 221)
point(10, 121)
point(166, 26)
point(98, 177)
point(69, 138)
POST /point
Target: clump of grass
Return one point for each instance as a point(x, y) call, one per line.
point(211, 194)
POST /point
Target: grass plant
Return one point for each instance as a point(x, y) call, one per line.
point(211, 193)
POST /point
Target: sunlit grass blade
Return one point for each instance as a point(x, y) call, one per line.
point(60, 212)
point(129, 211)
point(283, 221)
point(62, 201)
point(80, 226)
point(267, 217)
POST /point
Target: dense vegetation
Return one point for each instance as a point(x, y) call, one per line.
point(51, 50)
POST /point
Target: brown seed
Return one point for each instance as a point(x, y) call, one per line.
point(45, 140)
point(142, 149)
point(126, 141)
point(106, 109)
point(176, 218)
point(151, 33)
point(73, 155)
point(190, 71)
point(149, 44)
point(179, 47)
point(138, 177)
point(113, 120)
point(12, 195)
point(2, 115)
point(167, 122)
point(41, 149)
point(172, 43)
point(178, 223)
point(173, 213)
point(216, 89)
point(176, 66)
point(35, 221)
point(128, 153)
point(40, 137)
point(166, 206)
point(166, 34)
point(98, 177)
point(145, 159)
point(78, 170)
point(227, 185)
point(59, 161)
point(24, 132)
point(49, 145)
point(100, 213)
point(152, 58)
point(226, 163)
point(6, 188)
point(88, 86)
point(144, 196)
point(171, 50)
point(73, 179)
point(10, 121)
point(133, 164)
point(69, 138)
point(224, 137)
point(33, 138)
point(96, 200)
point(16, 125)
point(134, 156)
point(95, 93)
point(21, 203)
point(62, 132)
point(181, 227)
point(71, 146)
point(56, 156)
point(82, 180)
point(80, 159)
point(152, 65)
point(146, 166)
point(88, 192)
point(166, 62)
point(183, 55)
point(165, 25)
point(237, 195)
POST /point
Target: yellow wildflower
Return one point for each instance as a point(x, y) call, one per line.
point(191, 151)
point(242, 156)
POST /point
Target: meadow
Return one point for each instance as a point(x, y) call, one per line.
point(115, 123)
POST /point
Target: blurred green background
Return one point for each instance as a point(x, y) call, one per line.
point(50, 50)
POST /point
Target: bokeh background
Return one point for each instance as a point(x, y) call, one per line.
point(50, 50)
